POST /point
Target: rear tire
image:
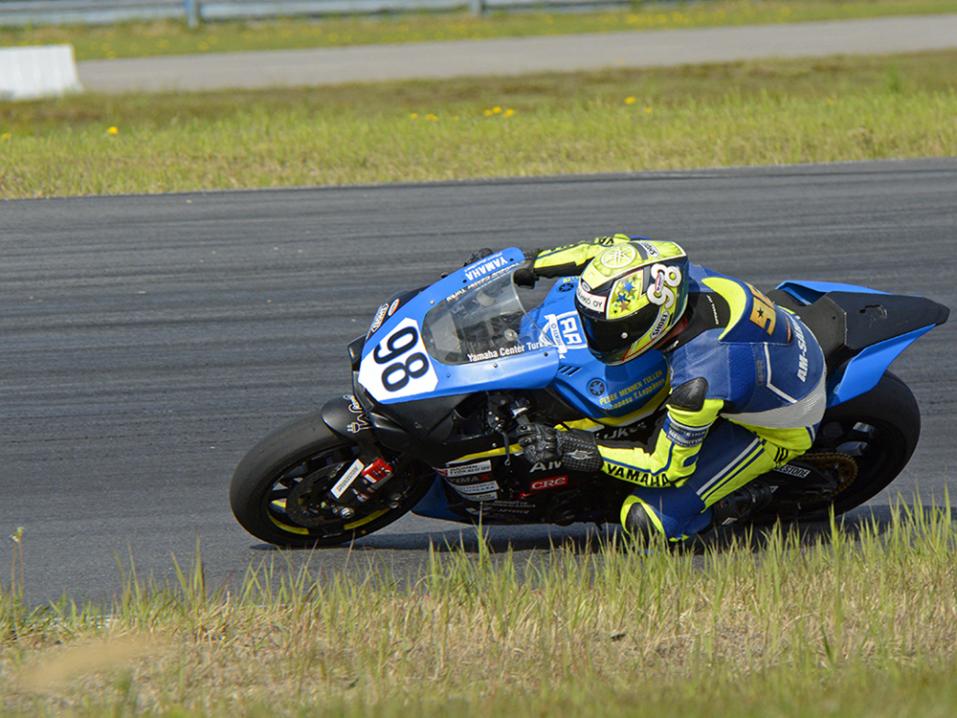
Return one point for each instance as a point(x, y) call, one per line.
point(879, 430)
point(892, 409)
point(287, 454)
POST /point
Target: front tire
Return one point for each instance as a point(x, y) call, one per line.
point(273, 467)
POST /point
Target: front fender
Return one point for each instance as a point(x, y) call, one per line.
point(345, 416)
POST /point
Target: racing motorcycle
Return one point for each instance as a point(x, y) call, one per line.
point(448, 372)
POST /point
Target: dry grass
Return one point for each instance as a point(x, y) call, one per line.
point(174, 38)
point(736, 114)
point(837, 625)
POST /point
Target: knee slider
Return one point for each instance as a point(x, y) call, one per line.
point(638, 523)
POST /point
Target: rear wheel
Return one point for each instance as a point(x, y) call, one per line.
point(278, 492)
point(861, 447)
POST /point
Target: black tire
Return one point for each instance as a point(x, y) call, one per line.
point(882, 427)
point(892, 409)
point(298, 443)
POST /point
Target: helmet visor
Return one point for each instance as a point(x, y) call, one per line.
point(611, 341)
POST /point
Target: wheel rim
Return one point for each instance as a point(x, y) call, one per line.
point(322, 469)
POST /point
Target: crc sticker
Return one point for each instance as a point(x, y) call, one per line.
point(552, 482)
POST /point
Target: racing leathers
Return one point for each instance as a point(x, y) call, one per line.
point(746, 394)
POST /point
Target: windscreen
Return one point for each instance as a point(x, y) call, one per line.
point(482, 323)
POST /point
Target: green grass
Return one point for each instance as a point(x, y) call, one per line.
point(777, 624)
point(174, 38)
point(736, 114)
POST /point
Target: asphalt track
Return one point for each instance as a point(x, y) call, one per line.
point(149, 341)
point(517, 56)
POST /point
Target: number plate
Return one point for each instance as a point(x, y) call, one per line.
point(399, 365)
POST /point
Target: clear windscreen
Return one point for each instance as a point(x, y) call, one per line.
point(482, 323)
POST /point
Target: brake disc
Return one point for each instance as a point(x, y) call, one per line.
point(306, 503)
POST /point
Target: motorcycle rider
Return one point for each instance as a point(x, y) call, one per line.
point(746, 381)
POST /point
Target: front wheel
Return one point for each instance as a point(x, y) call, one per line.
point(300, 462)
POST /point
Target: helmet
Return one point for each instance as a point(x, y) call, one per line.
point(630, 296)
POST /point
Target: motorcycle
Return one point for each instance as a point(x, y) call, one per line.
point(447, 373)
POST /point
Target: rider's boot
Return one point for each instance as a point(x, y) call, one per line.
point(741, 504)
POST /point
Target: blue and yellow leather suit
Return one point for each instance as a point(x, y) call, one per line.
point(747, 391)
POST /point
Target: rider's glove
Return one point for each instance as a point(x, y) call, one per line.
point(525, 275)
point(477, 255)
point(577, 450)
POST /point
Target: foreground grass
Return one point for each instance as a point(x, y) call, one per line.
point(834, 625)
point(174, 38)
point(735, 114)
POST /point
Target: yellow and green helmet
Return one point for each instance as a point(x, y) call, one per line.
point(630, 296)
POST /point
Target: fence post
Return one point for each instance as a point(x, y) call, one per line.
point(477, 7)
point(191, 8)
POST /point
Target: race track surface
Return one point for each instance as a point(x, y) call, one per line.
point(149, 341)
point(519, 56)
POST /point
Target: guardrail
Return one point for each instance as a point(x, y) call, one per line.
point(102, 12)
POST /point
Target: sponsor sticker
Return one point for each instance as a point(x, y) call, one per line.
point(590, 301)
point(796, 471)
point(354, 406)
point(360, 424)
point(474, 489)
point(484, 497)
point(484, 268)
point(545, 466)
point(377, 319)
point(552, 482)
point(479, 467)
point(563, 331)
point(347, 478)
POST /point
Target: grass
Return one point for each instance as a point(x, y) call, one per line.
point(832, 625)
point(622, 120)
point(174, 38)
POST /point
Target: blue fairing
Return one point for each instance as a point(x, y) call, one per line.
point(864, 371)
point(810, 292)
point(593, 388)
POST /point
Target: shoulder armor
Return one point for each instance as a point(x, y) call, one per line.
point(689, 396)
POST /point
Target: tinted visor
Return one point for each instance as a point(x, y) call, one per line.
point(605, 336)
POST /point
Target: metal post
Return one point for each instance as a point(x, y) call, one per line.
point(477, 7)
point(191, 8)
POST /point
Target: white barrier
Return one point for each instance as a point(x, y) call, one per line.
point(44, 71)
